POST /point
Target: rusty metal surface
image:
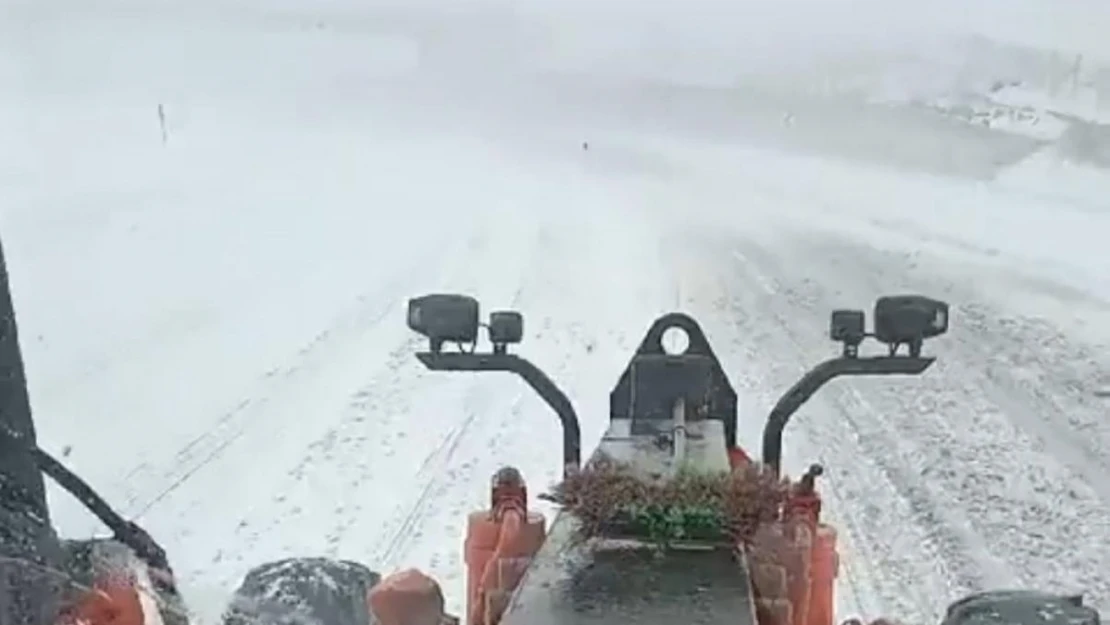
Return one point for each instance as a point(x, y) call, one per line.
point(571, 584)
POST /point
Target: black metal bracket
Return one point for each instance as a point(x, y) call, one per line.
point(127, 532)
point(123, 530)
point(664, 377)
point(530, 373)
point(817, 377)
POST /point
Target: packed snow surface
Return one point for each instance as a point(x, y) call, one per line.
point(215, 210)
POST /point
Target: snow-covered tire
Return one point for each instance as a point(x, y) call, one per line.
point(1020, 607)
point(303, 591)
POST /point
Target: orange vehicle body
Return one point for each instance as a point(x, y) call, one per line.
point(112, 601)
point(794, 565)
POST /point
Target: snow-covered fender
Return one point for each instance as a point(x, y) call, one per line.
point(1020, 607)
point(106, 583)
point(303, 591)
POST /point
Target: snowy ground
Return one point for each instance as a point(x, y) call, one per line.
point(213, 323)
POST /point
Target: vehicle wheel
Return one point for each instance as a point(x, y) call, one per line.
point(303, 591)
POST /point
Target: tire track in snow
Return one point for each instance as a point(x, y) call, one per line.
point(453, 484)
point(1038, 489)
point(363, 488)
point(571, 256)
point(438, 474)
point(959, 442)
point(449, 485)
point(971, 567)
point(504, 421)
point(282, 507)
point(1021, 438)
point(346, 459)
point(413, 452)
point(875, 494)
point(371, 308)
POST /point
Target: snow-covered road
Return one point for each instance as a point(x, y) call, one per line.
point(214, 327)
